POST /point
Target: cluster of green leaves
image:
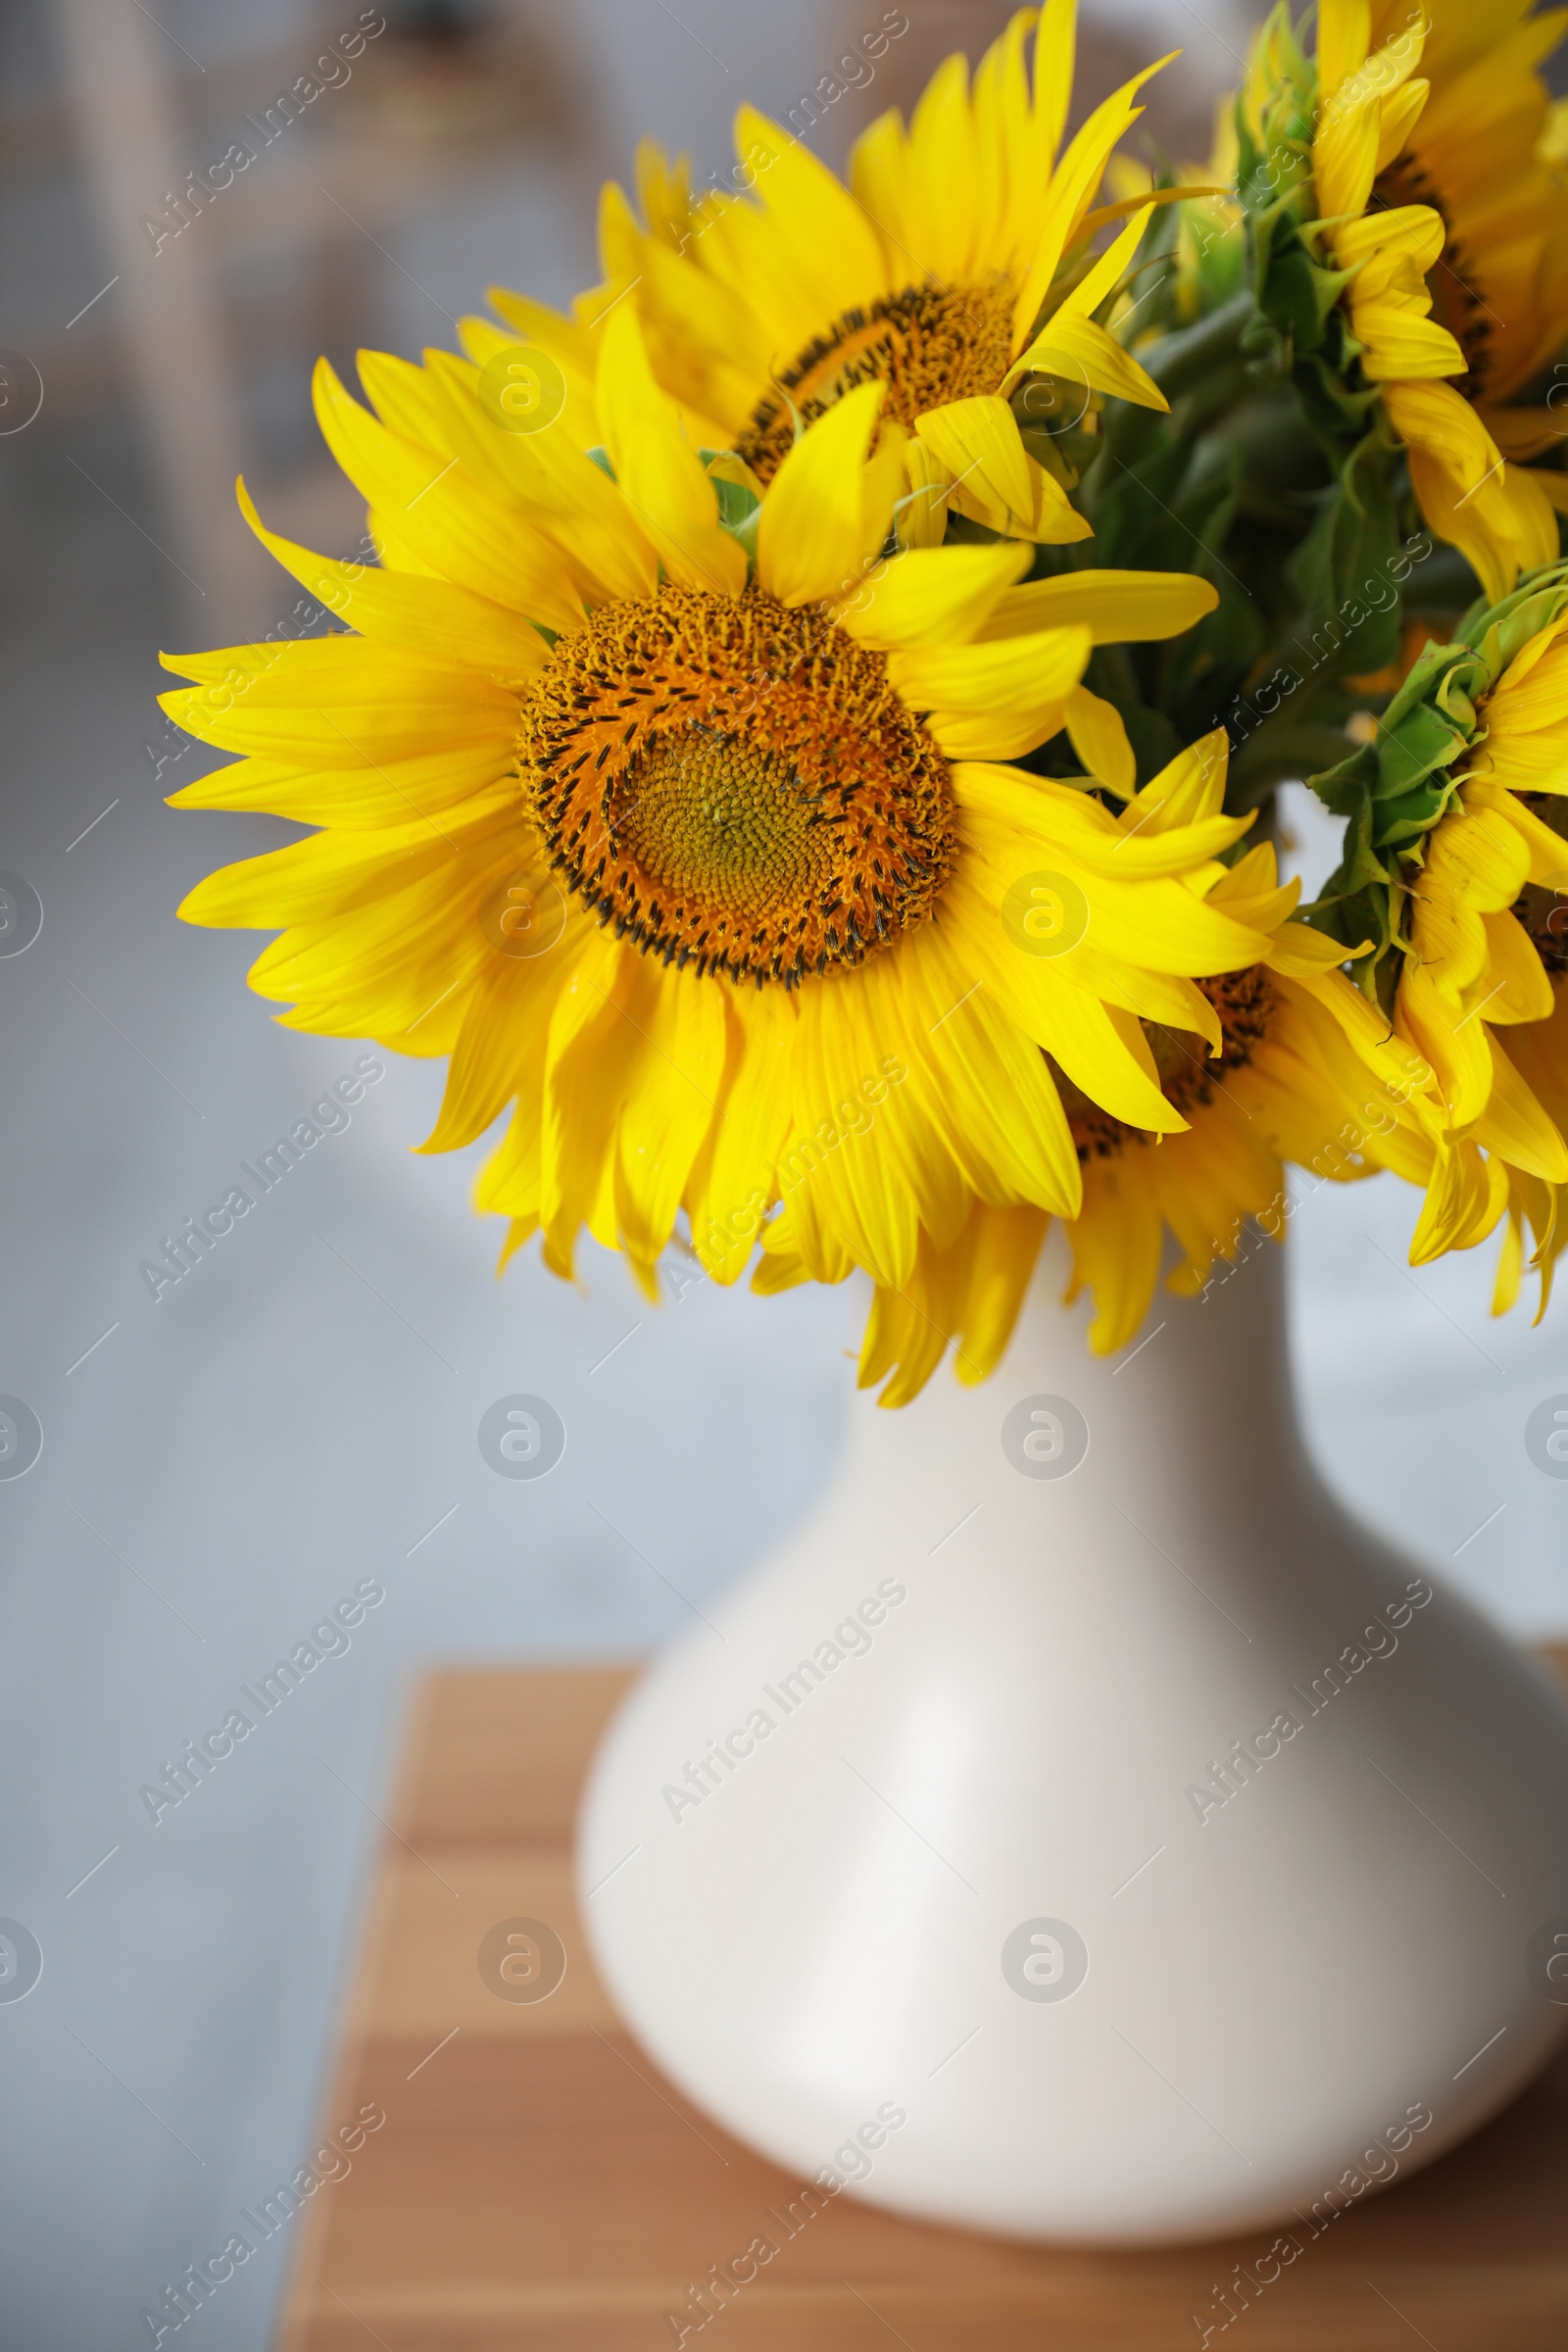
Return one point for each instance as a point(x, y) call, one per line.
point(1273, 474)
point(1390, 792)
point(1394, 789)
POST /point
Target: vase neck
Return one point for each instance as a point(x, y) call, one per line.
point(1204, 1383)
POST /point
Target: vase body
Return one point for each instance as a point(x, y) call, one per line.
point(1080, 1786)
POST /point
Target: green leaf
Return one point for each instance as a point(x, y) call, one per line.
point(1343, 570)
point(1348, 788)
point(1288, 297)
point(1356, 904)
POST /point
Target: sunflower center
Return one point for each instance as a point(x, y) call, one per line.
point(928, 345)
point(714, 815)
point(1451, 282)
point(1189, 1073)
point(735, 783)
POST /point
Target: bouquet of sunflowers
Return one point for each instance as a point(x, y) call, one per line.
point(801, 734)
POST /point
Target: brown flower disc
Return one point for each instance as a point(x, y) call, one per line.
point(734, 782)
point(928, 345)
point(1245, 1002)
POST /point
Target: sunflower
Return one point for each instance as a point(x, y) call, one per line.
point(679, 817)
point(1286, 1061)
point(1484, 914)
point(1434, 191)
point(1458, 810)
point(1474, 970)
point(954, 269)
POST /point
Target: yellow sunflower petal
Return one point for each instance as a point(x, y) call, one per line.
point(595, 1042)
point(1116, 606)
point(500, 1050)
point(1116, 1246)
point(943, 169)
point(1343, 42)
point(1004, 1119)
point(1060, 1015)
point(993, 476)
point(555, 484)
point(824, 253)
point(932, 596)
point(341, 701)
point(1071, 188)
point(461, 536)
point(1006, 1246)
point(1517, 1126)
point(1071, 343)
point(1086, 354)
point(815, 540)
point(430, 617)
point(736, 1180)
point(670, 1103)
point(865, 1193)
point(996, 700)
point(405, 399)
point(1402, 346)
point(663, 480)
point(353, 798)
point(1100, 739)
point(1188, 790)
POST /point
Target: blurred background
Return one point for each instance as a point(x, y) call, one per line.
point(221, 1466)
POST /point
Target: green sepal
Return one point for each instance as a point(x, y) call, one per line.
point(1412, 813)
point(1297, 295)
point(1500, 631)
point(1337, 411)
point(1425, 738)
point(740, 510)
point(1395, 788)
point(1346, 790)
point(736, 502)
point(1429, 681)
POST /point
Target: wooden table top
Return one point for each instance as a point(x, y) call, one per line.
point(535, 2181)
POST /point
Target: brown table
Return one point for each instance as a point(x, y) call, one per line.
point(537, 2184)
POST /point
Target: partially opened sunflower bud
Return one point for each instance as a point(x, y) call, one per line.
point(1456, 869)
point(1412, 252)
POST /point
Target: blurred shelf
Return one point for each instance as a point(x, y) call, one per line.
point(536, 2181)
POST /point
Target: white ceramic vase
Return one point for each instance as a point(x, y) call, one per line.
point(1079, 1827)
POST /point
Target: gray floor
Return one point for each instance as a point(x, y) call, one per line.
point(225, 1464)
